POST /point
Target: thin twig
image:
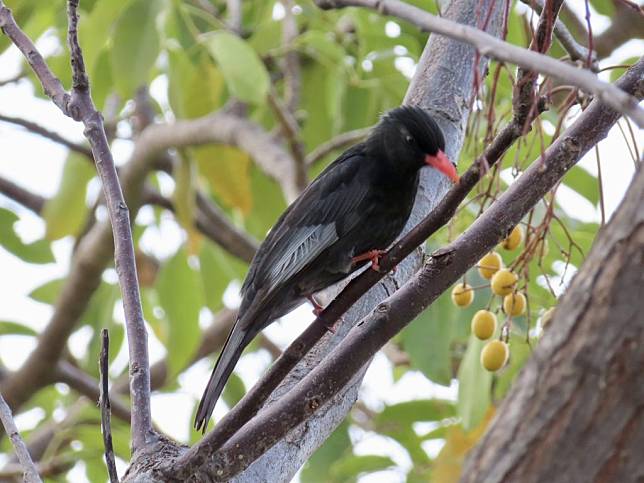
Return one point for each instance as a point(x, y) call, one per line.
point(292, 77)
point(106, 408)
point(575, 50)
point(291, 131)
point(600, 186)
point(29, 469)
point(46, 133)
point(20, 195)
point(497, 49)
point(340, 141)
point(12, 79)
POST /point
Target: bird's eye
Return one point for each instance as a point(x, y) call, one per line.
point(409, 139)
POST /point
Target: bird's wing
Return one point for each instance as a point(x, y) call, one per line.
point(301, 235)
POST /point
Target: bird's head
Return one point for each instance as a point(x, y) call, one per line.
point(411, 139)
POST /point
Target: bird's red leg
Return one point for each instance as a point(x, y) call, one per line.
point(373, 255)
point(317, 308)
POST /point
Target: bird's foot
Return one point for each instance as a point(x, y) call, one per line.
point(372, 255)
point(317, 308)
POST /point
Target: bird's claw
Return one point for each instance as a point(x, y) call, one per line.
point(373, 256)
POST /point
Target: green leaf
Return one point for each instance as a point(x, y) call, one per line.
point(583, 183)
point(234, 390)
point(617, 73)
point(194, 89)
point(95, 31)
point(316, 469)
point(519, 355)
point(604, 7)
point(227, 170)
point(180, 296)
point(136, 45)
point(99, 315)
point(218, 269)
point(15, 328)
point(66, 212)
point(427, 341)
point(48, 292)
point(264, 214)
point(409, 412)
point(101, 79)
point(349, 468)
point(245, 74)
point(36, 252)
point(474, 386)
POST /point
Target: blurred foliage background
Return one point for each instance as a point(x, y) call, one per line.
point(196, 57)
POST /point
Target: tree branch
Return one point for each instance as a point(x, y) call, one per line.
point(106, 408)
point(51, 135)
point(576, 51)
point(441, 270)
point(82, 108)
point(30, 473)
point(88, 386)
point(291, 132)
point(341, 141)
point(52, 86)
point(503, 51)
point(21, 195)
point(79, 106)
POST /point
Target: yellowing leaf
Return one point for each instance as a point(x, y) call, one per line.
point(227, 170)
point(245, 74)
point(65, 213)
point(449, 462)
point(194, 90)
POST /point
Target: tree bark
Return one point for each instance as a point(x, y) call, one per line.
point(576, 411)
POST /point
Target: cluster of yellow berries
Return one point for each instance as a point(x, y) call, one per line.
point(503, 283)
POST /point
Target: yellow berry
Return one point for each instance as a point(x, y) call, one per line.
point(546, 318)
point(490, 264)
point(462, 295)
point(514, 239)
point(483, 324)
point(514, 304)
point(503, 282)
point(494, 355)
point(541, 248)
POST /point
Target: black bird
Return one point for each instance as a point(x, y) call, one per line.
point(350, 213)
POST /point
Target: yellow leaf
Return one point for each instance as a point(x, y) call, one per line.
point(227, 170)
point(449, 462)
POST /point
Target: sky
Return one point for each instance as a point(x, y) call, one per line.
point(36, 164)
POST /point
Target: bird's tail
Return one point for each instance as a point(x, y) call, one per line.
point(235, 344)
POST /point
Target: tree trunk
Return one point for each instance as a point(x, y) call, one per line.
point(576, 412)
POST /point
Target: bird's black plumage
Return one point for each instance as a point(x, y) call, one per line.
point(360, 202)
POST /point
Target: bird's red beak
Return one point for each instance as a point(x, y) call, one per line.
point(442, 163)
